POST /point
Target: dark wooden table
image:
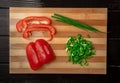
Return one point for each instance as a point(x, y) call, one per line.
point(113, 67)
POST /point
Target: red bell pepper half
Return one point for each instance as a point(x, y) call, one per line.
point(39, 53)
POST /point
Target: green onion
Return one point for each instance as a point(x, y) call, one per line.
point(75, 23)
point(79, 50)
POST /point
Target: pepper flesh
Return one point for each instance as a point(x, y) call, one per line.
point(40, 19)
point(47, 50)
point(32, 56)
point(35, 27)
point(51, 28)
point(39, 53)
point(19, 25)
point(34, 23)
point(29, 20)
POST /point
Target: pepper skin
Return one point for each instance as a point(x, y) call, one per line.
point(35, 23)
point(34, 60)
point(51, 28)
point(39, 53)
point(19, 25)
point(35, 20)
point(36, 27)
point(27, 32)
point(32, 20)
point(46, 49)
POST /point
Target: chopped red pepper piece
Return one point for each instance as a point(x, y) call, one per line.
point(39, 53)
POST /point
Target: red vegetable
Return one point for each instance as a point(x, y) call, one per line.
point(49, 27)
point(19, 26)
point(32, 20)
point(36, 27)
point(34, 23)
point(34, 60)
point(39, 53)
point(45, 50)
point(36, 20)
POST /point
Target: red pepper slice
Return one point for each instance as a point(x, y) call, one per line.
point(32, 20)
point(19, 25)
point(29, 23)
point(39, 53)
point(27, 32)
point(51, 28)
point(36, 20)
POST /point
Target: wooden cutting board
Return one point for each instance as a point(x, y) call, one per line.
point(96, 17)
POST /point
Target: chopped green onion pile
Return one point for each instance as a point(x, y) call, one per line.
point(79, 50)
point(75, 23)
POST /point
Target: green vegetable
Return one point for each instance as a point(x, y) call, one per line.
point(79, 50)
point(75, 23)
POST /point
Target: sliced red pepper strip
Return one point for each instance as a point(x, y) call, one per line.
point(32, 28)
point(38, 18)
point(41, 19)
point(32, 20)
point(32, 56)
point(51, 28)
point(19, 25)
point(39, 53)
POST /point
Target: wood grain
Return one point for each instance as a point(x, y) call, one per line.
point(96, 17)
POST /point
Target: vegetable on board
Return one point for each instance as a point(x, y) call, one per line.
point(39, 53)
point(79, 50)
point(75, 23)
point(32, 20)
point(35, 23)
point(36, 27)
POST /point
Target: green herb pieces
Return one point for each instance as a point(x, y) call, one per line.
point(75, 23)
point(79, 50)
